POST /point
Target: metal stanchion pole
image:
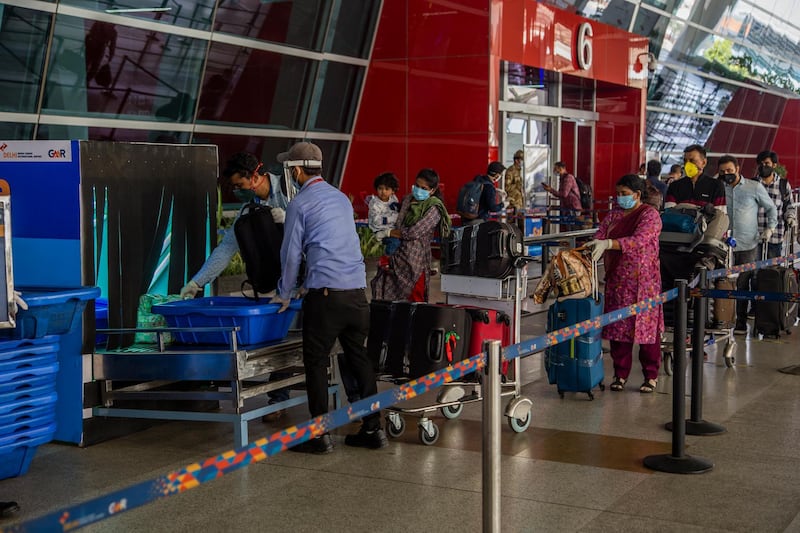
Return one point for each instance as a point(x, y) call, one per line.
point(695, 425)
point(678, 462)
point(492, 416)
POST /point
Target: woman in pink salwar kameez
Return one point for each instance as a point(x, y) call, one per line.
point(627, 239)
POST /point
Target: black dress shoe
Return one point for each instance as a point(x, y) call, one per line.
point(319, 446)
point(374, 439)
point(8, 508)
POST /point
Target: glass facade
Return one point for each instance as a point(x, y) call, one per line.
point(725, 69)
point(247, 75)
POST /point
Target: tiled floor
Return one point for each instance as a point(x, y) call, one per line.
point(578, 468)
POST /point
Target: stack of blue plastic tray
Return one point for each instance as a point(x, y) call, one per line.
point(28, 370)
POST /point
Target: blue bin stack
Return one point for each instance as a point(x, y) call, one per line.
point(28, 368)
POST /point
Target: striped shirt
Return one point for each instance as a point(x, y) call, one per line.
point(782, 202)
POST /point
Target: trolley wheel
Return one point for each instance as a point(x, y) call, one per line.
point(591, 395)
point(518, 425)
point(452, 411)
point(395, 428)
point(669, 363)
point(561, 394)
point(728, 354)
point(602, 386)
point(429, 439)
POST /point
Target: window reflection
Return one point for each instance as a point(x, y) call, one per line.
point(185, 13)
point(653, 26)
point(23, 41)
point(350, 31)
point(336, 97)
point(103, 69)
point(529, 85)
point(299, 23)
point(15, 131)
point(247, 86)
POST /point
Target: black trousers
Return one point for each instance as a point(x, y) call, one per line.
point(328, 315)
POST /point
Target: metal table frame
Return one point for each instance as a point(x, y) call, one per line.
point(221, 373)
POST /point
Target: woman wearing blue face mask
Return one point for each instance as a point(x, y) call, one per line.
point(627, 240)
point(406, 277)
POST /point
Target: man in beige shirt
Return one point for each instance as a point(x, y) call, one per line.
point(513, 182)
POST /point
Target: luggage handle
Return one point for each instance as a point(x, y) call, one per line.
point(595, 279)
point(435, 345)
point(501, 238)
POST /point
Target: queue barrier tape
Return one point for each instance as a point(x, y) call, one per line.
point(195, 474)
point(746, 295)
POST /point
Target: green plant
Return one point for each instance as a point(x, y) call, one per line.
point(370, 246)
point(780, 170)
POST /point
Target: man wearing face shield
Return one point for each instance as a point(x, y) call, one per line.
point(780, 191)
point(320, 226)
point(250, 182)
point(745, 198)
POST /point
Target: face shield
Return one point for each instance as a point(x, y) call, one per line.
point(291, 184)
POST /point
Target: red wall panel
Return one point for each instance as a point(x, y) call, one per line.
point(787, 141)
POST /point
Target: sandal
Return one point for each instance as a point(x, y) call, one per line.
point(648, 386)
point(618, 384)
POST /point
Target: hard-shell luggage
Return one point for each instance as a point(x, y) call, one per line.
point(497, 245)
point(487, 250)
point(389, 335)
point(775, 318)
point(575, 365)
point(459, 252)
point(439, 337)
point(488, 324)
point(259, 238)
point(724, 309)
point(421, 338)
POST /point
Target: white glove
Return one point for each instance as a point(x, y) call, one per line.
point(189, 290)
point(791, 223)
point(501, 195)
point(382, 234)
point(599, 246)
point(278, 215)
point(17, 303)
point(278, 300)
point(766, 234)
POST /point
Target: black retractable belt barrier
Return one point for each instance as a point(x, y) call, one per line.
point(678, 462)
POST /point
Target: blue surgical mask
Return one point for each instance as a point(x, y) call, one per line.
point(626, 202)
point(244, 195)
point(419, 193)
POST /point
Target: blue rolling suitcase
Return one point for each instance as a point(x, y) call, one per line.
point(575, 365)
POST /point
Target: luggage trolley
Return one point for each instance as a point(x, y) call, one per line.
point(502, 295)
point(715, 333)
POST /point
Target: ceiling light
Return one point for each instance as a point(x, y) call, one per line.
point(138, 9)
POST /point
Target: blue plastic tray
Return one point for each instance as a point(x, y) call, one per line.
point(28, 357)
point(45, 407)
point(25, 423)
point(28, 377)
point(7, 345)
point(27, 393)
point(51, 311)
point(17, 451)
point(258, 322)
point(26, 402)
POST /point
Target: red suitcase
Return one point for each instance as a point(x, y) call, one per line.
point(488, 324)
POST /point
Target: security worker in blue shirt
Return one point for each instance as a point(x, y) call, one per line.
point(320, 226)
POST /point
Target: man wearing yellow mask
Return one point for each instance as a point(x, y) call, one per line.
point(700, 189)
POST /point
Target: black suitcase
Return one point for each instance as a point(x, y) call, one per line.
point(775, 318)
point(389, 335)
point(497, 245)
point(440, 336)
point(458, 252)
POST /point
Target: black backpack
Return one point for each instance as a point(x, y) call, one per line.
point(468, 204)
point(586, 193)
point(259, 238)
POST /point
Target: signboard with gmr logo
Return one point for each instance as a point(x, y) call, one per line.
point(38, 151)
